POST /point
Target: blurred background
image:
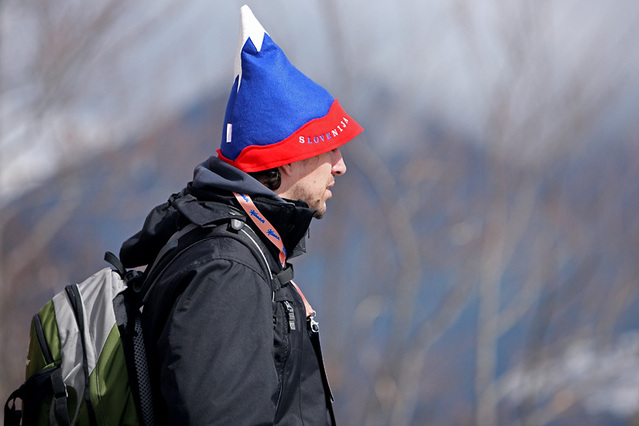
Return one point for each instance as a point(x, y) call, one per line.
point(478, 264)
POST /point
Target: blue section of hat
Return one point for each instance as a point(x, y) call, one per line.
point(274, 99)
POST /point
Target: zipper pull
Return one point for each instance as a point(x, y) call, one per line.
point(290, 313)
point(313, 324)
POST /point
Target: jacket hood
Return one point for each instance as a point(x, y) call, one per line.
point(215, 175)
point(209, 200)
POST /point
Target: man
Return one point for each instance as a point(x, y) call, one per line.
point(227, 343)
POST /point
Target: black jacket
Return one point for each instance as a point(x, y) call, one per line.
point(224, 346)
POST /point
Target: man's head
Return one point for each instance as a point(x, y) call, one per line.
point(279, 124)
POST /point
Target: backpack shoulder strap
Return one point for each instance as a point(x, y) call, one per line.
point(129, 321)
point(171, 244)
point(192, 234)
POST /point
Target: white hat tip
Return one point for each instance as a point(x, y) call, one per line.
point(251, 28)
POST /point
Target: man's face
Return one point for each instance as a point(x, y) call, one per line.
point(311, 180)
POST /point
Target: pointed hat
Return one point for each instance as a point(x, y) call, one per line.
point(276, 115)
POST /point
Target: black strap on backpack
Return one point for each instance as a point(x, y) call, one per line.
point(129, 320)
point(47, 381)
point(12, 415)
point(75, 299)
point(44, 383)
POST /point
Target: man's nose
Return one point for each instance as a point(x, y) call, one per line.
point(339, 166)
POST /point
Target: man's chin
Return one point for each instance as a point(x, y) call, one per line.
point(319, 212)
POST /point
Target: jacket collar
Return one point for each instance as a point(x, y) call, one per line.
point(215, 180)
point(290, 219)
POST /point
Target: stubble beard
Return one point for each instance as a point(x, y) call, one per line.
point(315, 203)
point(319, 206)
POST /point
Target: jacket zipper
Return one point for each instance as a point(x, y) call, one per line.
point(290, 315)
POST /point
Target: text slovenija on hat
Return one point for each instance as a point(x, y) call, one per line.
point(275, 114)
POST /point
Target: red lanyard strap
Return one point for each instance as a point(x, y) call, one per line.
point(272, 235)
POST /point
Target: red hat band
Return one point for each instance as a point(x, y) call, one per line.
point(316, 137)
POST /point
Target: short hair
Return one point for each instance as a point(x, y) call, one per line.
point(270, 178)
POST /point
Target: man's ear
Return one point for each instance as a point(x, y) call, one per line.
point(286, 169)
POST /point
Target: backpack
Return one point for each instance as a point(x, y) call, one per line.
point(81, 365)
point(87, 361)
